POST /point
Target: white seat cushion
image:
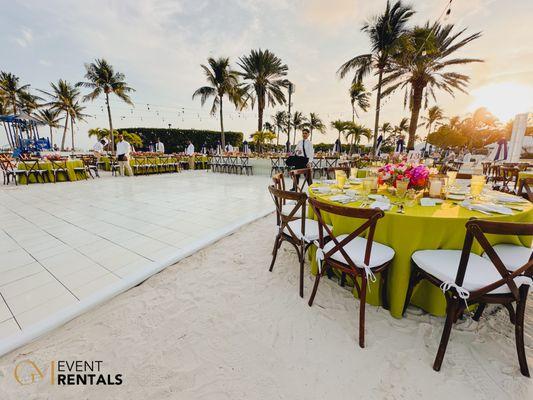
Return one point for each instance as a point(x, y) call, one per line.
point(286, 209)
point(379, 255)
point(512, 256)
point(311, 229)
point(480, 272)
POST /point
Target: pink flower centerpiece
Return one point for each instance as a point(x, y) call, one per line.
point(416, 174)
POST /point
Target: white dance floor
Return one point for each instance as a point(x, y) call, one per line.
point(66, 247)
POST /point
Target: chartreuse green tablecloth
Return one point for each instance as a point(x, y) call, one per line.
point(106, 165)
point(70, 165)
point(420, 228)
point(525, 174)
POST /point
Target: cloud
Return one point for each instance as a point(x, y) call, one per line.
point(24, 38)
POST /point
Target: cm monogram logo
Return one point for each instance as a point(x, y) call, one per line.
point(27, 372)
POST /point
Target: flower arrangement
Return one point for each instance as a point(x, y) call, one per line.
point(53, 157)
point(416, 174)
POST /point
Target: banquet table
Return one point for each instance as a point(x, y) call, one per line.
point(154, 160)
point(69, 165)
point(419, 228)
point(525, 174)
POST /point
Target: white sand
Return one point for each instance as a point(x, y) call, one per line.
point(218, 325)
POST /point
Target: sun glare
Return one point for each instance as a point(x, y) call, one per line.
point(504, 100)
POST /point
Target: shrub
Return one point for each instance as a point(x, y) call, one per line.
point(175, 140)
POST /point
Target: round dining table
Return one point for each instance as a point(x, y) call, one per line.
point(441, 226)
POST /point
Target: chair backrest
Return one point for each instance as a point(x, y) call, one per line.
point(333, 169)
point(524, 188)
point(298, 201)
point(279, 181)
point(275, 162)
point(370, 217)
point(30, 165)
point(476, 230)
point(330, 162)
point(296, 174)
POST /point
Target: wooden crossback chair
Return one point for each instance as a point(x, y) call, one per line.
point(330, 173)
point(286, 205)
point(464, 276)
point(290, 229)
point(524, 188)
point(59, 167)
point(9, 170)
point(352, 254)
point(296, 174)
point(31, 167)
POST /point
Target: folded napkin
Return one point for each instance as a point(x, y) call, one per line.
point(322, 189)
point(379, 197)
point(330, 181)
point(429, 202)
point(507, 198)
point(487, 208)
point(382, 205)
point(341, 198)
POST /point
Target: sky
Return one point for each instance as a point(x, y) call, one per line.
point(160, 44)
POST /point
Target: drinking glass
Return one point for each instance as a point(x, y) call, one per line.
point(367, 187)
point(340, 177)
point(477, 183)
point(451, 177)
point(410, 198)
point(353, 172)
point(401, 188)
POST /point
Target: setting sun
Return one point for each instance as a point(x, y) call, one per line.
point(504, 100)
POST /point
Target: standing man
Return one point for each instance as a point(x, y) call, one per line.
point(123, 155)
point(159, 147)
point(190, 149)
point(303, 154)
point(98, 149)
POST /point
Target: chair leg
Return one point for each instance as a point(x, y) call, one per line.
point(315, 286)
point(450, 316)
point(413, 280)
point(479, 311)
point(384, 294)
point(302, 257)
point(512, 315)
point(519, 330)
point(277, 244)
point(362, 308)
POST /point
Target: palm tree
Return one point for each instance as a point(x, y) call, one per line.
point(340, 126)
point(435, 114)
point(359, 97)
point(264, 73)
point(384, 31)
point(298, 122)
point(64, 98)
point(356, 132)
point(314, 123)
point(223, 81)
point(102, 78)
point(419, 63)
point(76, 114)
point(279, 119)
point(11, 89)
point(50, 117)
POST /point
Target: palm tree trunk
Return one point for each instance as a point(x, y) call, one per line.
point(51, 138)
point(311, 133)
point(72, 132)
point(378, 105)
point(260, 108)
point(417, 104)
point(222, 135)
point(112, 137)
point(277, 139)
point(353, 114)
point(8, 136)
point(64, 134)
